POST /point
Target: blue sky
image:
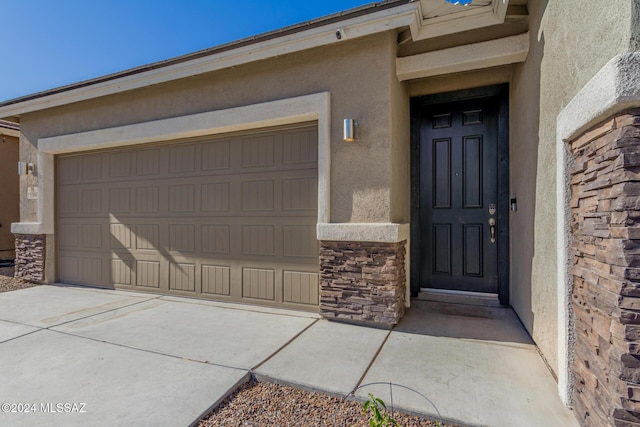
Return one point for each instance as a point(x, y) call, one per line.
point(51, 43)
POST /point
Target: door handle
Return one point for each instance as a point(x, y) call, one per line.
point(492, 224)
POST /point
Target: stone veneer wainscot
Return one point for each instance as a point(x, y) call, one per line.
point(362, 282)
point(30, 257)
point(605, 202)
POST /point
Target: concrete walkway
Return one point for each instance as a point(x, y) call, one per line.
point(81, 356)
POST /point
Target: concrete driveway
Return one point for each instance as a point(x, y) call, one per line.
point(82, 356)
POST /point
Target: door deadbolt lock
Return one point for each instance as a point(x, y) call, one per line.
point(492, 224)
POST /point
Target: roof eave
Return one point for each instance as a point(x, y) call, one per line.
point(374, 18)
point(362, 21)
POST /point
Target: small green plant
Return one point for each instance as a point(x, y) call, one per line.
point(377, 418)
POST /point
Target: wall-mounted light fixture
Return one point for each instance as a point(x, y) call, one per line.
point(350, 126)
point(25, 168)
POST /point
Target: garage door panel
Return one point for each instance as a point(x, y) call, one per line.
point(91, 168)
point(148, 199)
point(121, 164)
point(228, 218)
point(299, 241)
point(182, 159)
point(292, 195)
point(258, 283)
point(182, 276)
point(300, 194)
point(216, 156)
point(182, 198)
point(69, 202)
point(182, 237)
point(258, 195)
point(122, 272)
point(120, 237)
point(216, 238)
point(148, 162)
point(258, 239)
point(82, 267)
point(258, 151)
point(120, 200)
point(299, 148)
point(69, 236)
point(215, 197)
point(91, 270)
point(216, 279)
point(148, 273)
point(69, 266)
point(300, 287)
point(91, 235)
point(68, 170)
point(147, 237)
point(91, 201)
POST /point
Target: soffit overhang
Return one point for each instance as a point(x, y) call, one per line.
point(438, 18)
point(425, 19)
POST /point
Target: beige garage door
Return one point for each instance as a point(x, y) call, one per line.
point(230, 218)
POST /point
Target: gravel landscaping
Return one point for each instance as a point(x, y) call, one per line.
point(9, 283)
point(266, 404)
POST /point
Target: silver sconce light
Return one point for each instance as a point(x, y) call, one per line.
point(350, 126)
point(25, 168)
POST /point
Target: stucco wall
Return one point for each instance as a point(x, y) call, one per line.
point(570, 40)
point(361, 171)
point(401, 150)
point(567, 49)
point(634, 44)
point(9, 201)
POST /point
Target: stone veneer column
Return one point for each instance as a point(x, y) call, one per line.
point(30, 257)
point(605, 203)
point(362, 282)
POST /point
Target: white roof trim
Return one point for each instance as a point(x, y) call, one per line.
point(9, 132)
point(409, 14)
point(377, 22)
point(456, 22)
point(507, 50)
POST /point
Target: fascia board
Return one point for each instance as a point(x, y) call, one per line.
point(385, 20)
point(409, 14)
point(457, 22)
point(500, 9)
point(507, 50)
point(9, 132)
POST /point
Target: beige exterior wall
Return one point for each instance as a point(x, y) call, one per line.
point(635, 26)
point(9, 197)
point(400, 150)
point(347, 70)
point(570, 41)
point(564, 54)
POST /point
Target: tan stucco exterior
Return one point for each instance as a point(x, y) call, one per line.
point(566, 50)
point(348, 71)
point(563, 55)
point(369, 191)
point(9, 198)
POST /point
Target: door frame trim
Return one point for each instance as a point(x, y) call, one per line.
point(501, 93)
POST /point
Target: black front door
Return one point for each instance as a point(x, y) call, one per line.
point(460, 207)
